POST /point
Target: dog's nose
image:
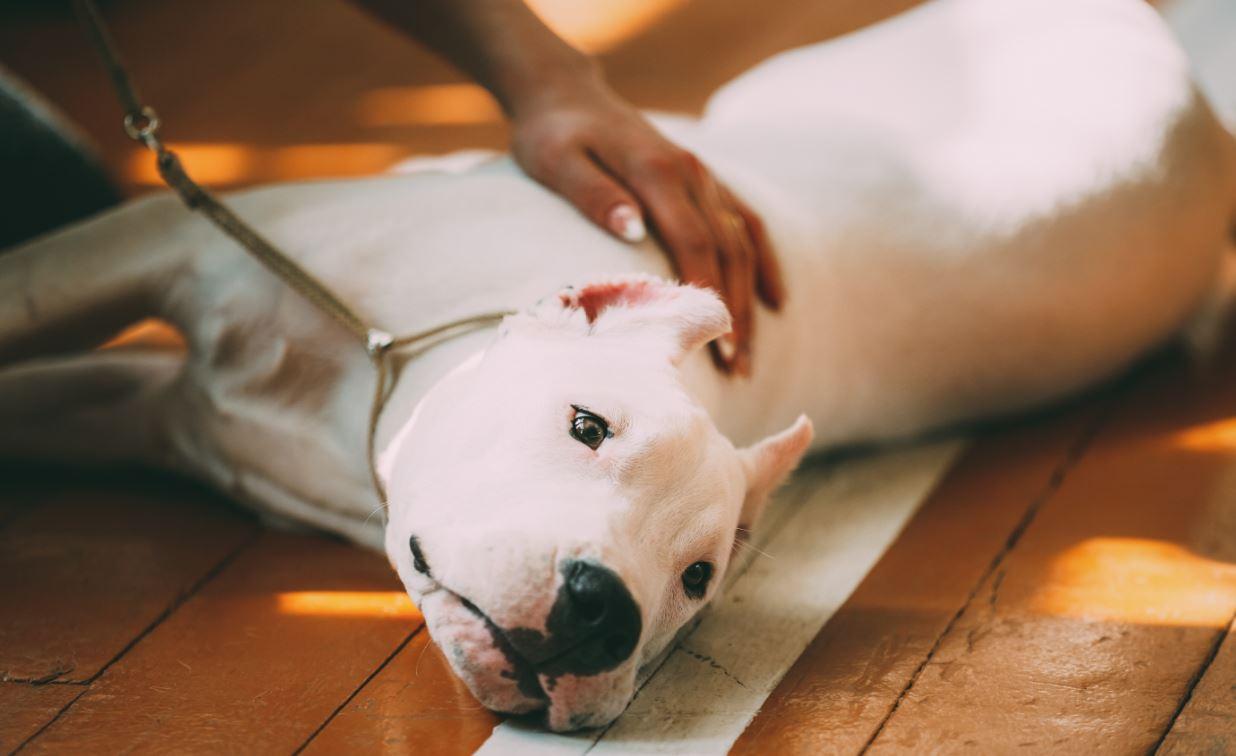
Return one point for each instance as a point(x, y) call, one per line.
point(594, 624)
point(599, 600)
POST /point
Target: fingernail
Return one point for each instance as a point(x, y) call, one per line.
point(625, 221)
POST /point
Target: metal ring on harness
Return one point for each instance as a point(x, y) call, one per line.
point(143, 126)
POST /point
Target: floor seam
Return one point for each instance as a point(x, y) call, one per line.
point(368, 678)
point(177, 602)
point(1228, 630)
point(171, 608)
point(1072, 456)
point(49, 722)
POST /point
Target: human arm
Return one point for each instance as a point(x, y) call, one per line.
point(575, 135)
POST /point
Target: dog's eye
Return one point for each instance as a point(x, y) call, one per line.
point(695, 579)
point(589, 429)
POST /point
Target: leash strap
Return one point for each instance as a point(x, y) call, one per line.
point(142, 125)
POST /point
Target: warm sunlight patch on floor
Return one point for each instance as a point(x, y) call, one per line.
point(394, 604)
point(430, 104)
point(600, 25)
point(224, 163)
point(1138, 580)
point(1219, 436)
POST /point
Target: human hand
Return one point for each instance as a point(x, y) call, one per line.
point(577, 137)
point(593, 148)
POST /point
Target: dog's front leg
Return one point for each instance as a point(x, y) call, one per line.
point(102, 407)
point(74, 288)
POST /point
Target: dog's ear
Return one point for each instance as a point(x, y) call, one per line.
point(768, 463)
point(687, 317)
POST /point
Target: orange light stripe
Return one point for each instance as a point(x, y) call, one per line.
point(392, 604)
point(1218, 436)
point(601, 25)
point(428, 105)
point(223, 163)
point(1138, 580)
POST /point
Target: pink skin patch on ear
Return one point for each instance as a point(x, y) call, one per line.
point(596, 298)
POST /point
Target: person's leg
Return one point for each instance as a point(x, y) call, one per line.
point(49, 177)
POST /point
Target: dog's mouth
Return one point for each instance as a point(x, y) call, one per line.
point(480, 655)
point(507, 680)
point(522, 673)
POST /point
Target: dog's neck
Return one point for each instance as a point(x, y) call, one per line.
point(441, 271)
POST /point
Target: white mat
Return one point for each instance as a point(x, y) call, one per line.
point(821, 536)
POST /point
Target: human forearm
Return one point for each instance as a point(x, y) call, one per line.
point(502, 44)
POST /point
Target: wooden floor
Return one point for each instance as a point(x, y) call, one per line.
point(1070, 586)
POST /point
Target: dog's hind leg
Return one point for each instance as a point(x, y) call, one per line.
point(102, 407)
point(72, 289)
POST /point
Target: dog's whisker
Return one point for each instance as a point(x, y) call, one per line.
point(756, 549)
point(417, 671)
point(375, 511)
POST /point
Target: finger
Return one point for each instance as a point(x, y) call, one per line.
point(663, 181)
point(660, 185)
point(769, 285)
point(690, 245)
point(688, 239)
point(597, 195)
point(736, 256)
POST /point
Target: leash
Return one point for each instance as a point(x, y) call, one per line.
point(142, 125)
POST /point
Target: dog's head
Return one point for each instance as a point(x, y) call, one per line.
point(560, 506)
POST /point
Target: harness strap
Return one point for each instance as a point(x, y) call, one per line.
point(142, 124)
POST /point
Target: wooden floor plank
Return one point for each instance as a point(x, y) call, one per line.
point(1090, 631)
point(1207, 723)
point(836, 694)
point(414, 705)
point(254, 662)
point(25, 708)
point(88, 570)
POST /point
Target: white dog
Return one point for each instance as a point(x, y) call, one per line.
point(979, 207)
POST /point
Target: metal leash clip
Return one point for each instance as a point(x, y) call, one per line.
point(143, 126)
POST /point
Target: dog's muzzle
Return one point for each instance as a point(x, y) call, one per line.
point(593, 627)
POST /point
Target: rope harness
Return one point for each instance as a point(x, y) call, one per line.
point(142, 124)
